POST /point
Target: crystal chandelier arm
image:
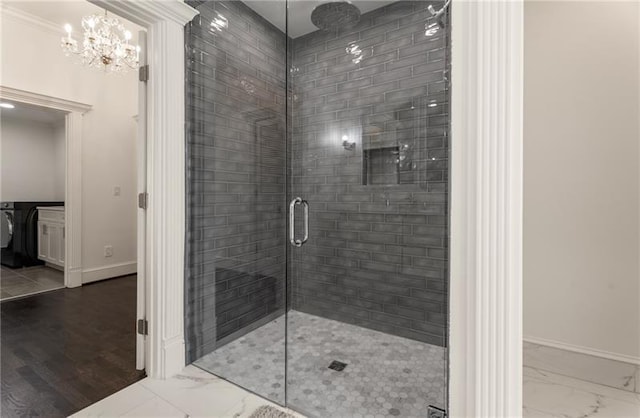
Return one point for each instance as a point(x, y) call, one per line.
point(106, 44)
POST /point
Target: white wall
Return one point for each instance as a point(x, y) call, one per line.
point(32, 166)
point(36, 63)
point(581, 188)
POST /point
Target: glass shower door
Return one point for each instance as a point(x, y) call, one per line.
point(236, 301)
point(318, 143)
point(368, 153)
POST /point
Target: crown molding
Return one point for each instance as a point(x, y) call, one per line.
point(31, 20)
point(147, 12)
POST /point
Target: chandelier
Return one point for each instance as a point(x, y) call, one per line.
point(106, 44)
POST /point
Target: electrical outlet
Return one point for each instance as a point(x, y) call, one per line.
point(108, 251)
point(116, 191)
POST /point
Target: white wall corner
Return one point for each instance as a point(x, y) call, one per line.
point(486, 209)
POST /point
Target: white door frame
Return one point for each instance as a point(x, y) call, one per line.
point(486, 198)
point(485, 347)
point(165, 217)
point(142, 353)
point(74, 112)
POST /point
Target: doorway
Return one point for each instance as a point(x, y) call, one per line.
point(32, 201)
point(97, 239)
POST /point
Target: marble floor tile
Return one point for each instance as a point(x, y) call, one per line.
point(192, 391)
point(546, 396)
point(533, 413)
point(156, 408)
point(119, 403)
point(607, 391)
point(39, 273)
point(6, 272)
point(581, 366)
point(28, 281)
point(26, 288)
point(12, 280)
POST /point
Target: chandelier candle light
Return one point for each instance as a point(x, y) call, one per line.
point(106, 44)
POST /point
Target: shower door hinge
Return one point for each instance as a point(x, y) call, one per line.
point(143, 327)
point(435, 412)
point(143, 73)
point(143, 200)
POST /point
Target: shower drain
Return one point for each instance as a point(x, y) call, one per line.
point(337, 365)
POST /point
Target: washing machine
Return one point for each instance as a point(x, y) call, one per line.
point(6, 232)
point(19, 233)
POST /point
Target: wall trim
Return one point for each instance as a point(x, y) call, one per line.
point(165, 220)
point(109, 271)
point(37, 99)
point(485, 343)
point(73, 200)
point(624, 358)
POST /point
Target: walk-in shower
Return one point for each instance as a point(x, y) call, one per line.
point(318, 144)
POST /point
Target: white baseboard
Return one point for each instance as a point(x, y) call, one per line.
point(584, 350)
point(109, 271)
point(73, 277)
point(174, 360)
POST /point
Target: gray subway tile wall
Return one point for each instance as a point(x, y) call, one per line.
point(378, 252)
point(377, 255)
point(236, 78)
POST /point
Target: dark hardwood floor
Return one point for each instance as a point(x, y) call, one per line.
point(64, 350)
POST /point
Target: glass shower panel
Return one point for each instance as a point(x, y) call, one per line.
point(236, 137)
point(368, 151)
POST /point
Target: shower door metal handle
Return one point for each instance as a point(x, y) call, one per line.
point(292, 222)
point(306, 221)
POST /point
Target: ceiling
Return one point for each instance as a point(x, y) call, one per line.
point(31, 113)
point(300, 12)
point(60, 12)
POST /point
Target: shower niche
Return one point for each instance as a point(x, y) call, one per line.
point(346, 107)
point(381, 166)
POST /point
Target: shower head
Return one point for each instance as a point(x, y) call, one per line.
point(335, 15)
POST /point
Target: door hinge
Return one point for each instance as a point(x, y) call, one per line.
point(143, 73)
point(143, 327)
point(143, 200)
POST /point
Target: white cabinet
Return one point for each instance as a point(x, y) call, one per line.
point(51, 235)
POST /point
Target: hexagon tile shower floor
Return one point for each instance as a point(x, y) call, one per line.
point(385, 375)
